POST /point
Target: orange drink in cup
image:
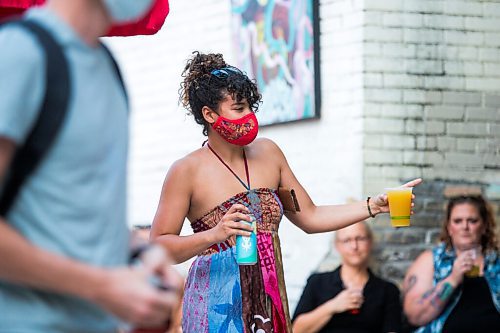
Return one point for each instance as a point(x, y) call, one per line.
point(474, 271)
point(399, 205)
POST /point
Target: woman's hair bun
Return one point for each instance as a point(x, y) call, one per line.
point(197, 70)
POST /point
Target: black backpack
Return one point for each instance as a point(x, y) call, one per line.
point(50, 118)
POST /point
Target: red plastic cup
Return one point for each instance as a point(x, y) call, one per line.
point(356, 311)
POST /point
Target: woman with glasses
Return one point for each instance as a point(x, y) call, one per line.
point(351, 298)
point(234, 178)
point(456, 286)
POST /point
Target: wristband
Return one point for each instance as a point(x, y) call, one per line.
point(368, 206)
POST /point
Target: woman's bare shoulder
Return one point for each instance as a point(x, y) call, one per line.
point(423, 263)
point(188, 164)
point(266, 146)
point(265, 142)
point(425, 256)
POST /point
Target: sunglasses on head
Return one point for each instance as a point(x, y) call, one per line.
point(467, 197)
point(225, 72)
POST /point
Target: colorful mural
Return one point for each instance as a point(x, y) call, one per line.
point(274, 42)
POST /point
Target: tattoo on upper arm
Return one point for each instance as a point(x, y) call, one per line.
point(409, 283)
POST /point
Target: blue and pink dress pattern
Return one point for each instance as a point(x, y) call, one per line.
point(220, 295)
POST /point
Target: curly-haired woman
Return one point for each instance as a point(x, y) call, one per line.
point(456, 286)
point(230, 177)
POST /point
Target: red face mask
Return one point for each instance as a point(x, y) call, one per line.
point(240, 131)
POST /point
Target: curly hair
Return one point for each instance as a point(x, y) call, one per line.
point(489, 238)
point(201, 88)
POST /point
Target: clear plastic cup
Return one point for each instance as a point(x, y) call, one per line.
point(474, 271)
point(399, 205)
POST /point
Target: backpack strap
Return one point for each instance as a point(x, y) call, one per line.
point(50, 118)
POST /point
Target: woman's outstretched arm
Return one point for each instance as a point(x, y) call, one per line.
point(315, 219)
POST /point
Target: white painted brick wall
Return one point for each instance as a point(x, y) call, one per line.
point(448, 66)
point(409, 88)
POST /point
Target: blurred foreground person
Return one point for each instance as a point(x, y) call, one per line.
point(64, 240)
point(235, 178)
point(351, 299)
point(456, 286)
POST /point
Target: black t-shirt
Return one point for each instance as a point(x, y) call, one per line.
point(380, 312)
point(475, 311)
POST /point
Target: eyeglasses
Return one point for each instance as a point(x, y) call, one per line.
point(357, 239)
point(224, 72)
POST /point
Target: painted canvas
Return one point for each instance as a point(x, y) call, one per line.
point(276, 43)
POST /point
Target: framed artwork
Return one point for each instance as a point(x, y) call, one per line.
point(276, 42)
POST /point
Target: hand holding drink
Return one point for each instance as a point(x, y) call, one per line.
point(348, 300)
point(399, 205)
point(246, 246)
point(397, 201)
point(357, 295)
point(467, 264)
point(474, 271)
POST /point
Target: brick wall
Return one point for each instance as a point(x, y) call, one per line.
point(431, 107)
point(409, 88)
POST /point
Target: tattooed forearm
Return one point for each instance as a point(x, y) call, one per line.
point(438, 297)
point(445, 292)
point(426, 295)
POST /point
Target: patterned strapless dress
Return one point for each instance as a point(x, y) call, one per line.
point(220, 295)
